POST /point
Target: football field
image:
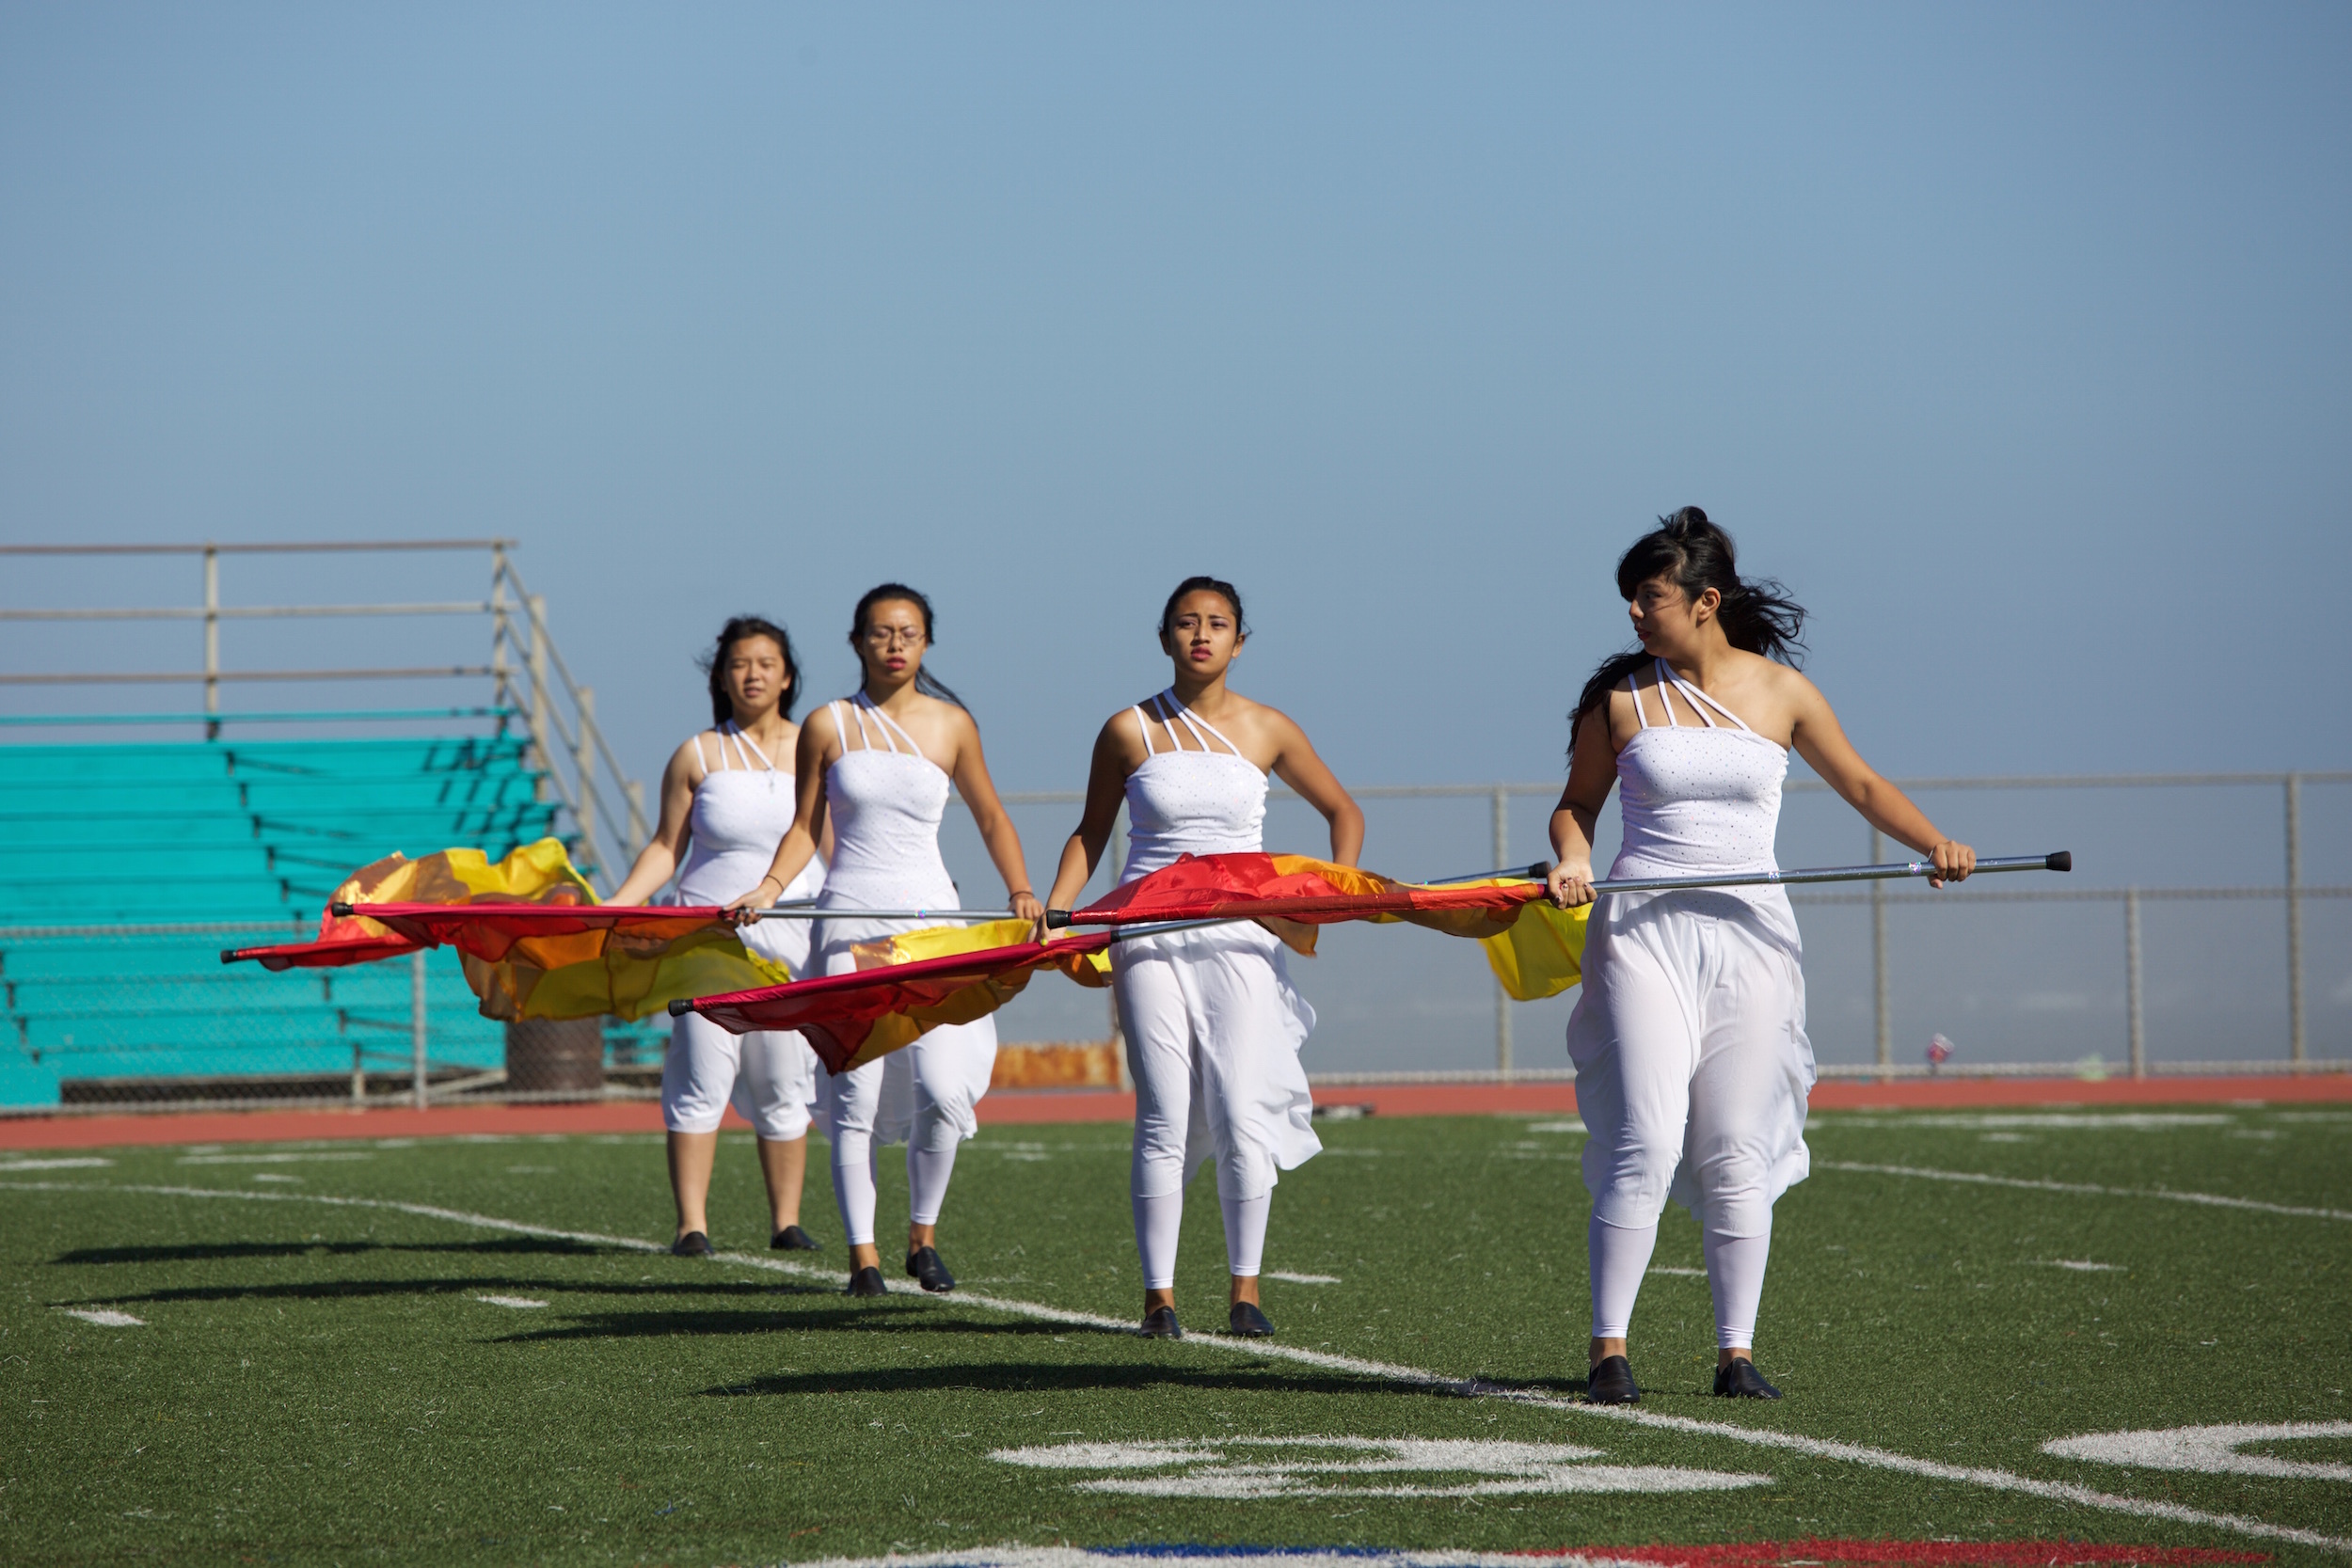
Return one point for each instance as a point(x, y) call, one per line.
point(2125, 1332)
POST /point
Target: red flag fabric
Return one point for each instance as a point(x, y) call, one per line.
point(328, 953)
point(1293, 891)
point(850, 1019)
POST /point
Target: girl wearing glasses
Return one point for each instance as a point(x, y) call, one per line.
point(878, 766)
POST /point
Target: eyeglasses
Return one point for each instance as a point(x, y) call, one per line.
point(890, 636)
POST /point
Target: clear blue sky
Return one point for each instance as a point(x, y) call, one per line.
point(2014, 339)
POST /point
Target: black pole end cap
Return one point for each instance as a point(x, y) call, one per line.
point(227, 955)
point(340, 912)
point(1056, 920)
point(680, 1007)
point(1539, 871)
point(2062, 861)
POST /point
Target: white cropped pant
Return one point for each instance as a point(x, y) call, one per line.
point(926, 1096)
point(768, 1075)
point(1692, 1060)
point(1213, 1029)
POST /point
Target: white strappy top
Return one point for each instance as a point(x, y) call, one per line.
point(1186, 801)
point(1697, 798)
point(886, 799)
point(740, 814)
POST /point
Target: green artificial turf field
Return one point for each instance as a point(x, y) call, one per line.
point(476, 1352)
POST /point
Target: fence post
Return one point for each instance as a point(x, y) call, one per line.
point(585, 773)
point(212, 642)
point(634, 792)
point(2131, 970)
point(535, 606)
point(1878, 963)
point(2294, 921)
point(1502, 998)
point(501, 633)
point(416, 1025)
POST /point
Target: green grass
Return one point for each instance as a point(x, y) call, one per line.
point(318, 1384)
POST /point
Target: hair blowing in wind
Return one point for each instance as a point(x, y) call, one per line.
point(1756, 614)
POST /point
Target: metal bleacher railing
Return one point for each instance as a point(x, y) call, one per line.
point(526, 670)
point(111, 1009)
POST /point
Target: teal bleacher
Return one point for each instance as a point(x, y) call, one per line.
point(253, 835)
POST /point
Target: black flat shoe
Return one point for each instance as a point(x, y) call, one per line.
point(1739, 1380)
point(693, 1244)
point(923, 1264)
point(1612, 1383)
point(793, 1239)
point(1160, 1324)
point(1247, 1320)
point(867, 1281)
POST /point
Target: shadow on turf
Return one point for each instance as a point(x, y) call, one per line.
point(226, 1251)
point(833, 1320)
point(331, 1289)
point(1055, 1377)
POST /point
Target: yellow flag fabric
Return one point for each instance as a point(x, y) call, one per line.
point(616, 972)
point(1542, 954)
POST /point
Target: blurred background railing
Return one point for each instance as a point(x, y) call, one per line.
point(2205, 927)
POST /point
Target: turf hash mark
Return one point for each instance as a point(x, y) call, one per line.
point(1242, 1469)
point(2212, 1450)
point(1987, 1477)
point(104, 1316)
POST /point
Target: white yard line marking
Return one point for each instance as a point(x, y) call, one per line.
point(86, 1162)
point(2084, 1265)
point(1812, 1447)
point(104, 1318)
point(1303, 1278)
point(1694, 1273)
point(2211, 1200)
point(272, 1158)
point(510, 1301)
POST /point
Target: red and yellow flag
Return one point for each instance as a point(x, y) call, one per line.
point(909, 984)
point(530, 934)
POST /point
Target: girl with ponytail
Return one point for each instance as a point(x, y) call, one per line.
point(1692, 1065)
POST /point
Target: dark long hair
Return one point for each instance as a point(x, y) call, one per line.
point(925, 682)
point(1202, 585)
point(1756, 613)
point(714, 664)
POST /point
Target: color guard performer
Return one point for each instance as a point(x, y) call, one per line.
point(1212, 1023)
point(1692, 1065)
point(877, 768)
point(727, 802)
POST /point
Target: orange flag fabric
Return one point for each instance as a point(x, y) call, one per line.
point(909, 984)
point(530, 934)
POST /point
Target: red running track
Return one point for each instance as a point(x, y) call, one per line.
point(1011, 1108)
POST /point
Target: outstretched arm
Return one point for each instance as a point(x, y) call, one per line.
point(1297, 765)
point(995, 824)
point(656, 862)
point(1821, 741)
point(1106, 787)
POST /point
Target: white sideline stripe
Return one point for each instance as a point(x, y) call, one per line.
point(1812, 1447)
point(2211, 1200)
point(78, 1162)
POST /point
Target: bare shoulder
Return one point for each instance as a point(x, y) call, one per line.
point(688, 762)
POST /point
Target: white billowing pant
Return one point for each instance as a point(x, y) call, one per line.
point(768, 1076)
point(1693, 1069)
point(1213, 1029)
point(926, 1096)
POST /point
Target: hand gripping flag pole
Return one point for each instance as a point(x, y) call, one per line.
point(2062, 859)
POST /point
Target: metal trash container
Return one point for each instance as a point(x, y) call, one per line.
point(555, 1055)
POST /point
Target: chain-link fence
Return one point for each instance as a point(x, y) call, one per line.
point(2206, 926)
